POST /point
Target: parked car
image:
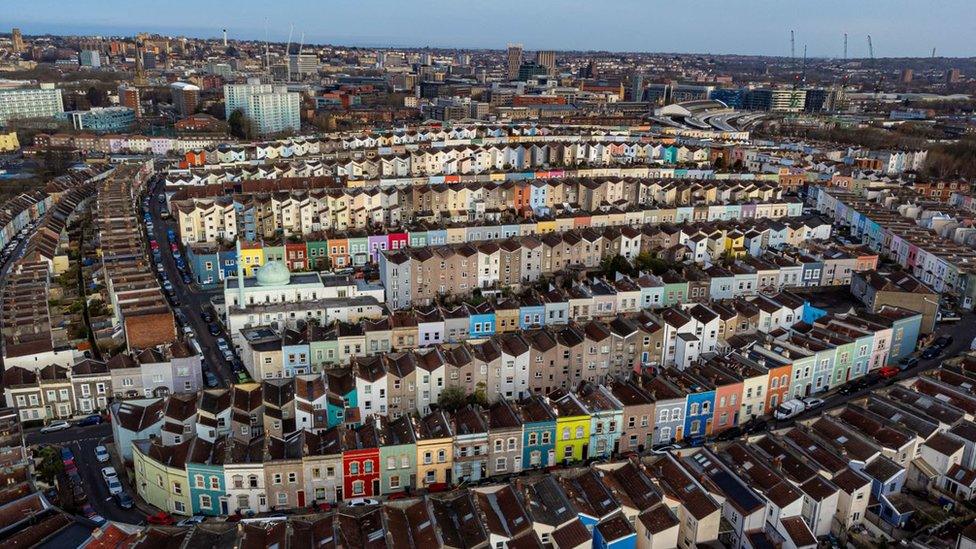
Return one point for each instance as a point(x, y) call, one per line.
point(213, 328)
point(222, 344)
point(206, 316)
point(124, 500)
point(228, 356)
point(109, 473)
point(662, 449)
point(196, 519)
point(932, 352)
point(210, 379)
point(942, 342)
point(362, 502)
point(101, 454)
point(813, 402)
point(66, 455)
point(93, 419)
point(161, 518)
point(888, 372)
point(908, 362)
point(114, 486)
point(55, 426)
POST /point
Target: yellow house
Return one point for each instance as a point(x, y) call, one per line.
point(160, 475)
point(9, 142)
point(435, 449)
point(735, 244)
point(252, 255)
point(572, 428)
point(547, 226)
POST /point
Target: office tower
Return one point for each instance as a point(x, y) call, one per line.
point(305, 63)
point(546, 59)
point(42, 102)
point(140, 79)
point(907, 75)
point(18, 40)
point(953, 76)
point(514, 60)
point(129, 97)
point(185, 97)
point(637, 87)
point(89, 58)
point(235, 95)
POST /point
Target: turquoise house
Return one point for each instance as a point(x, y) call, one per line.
point(205, 475)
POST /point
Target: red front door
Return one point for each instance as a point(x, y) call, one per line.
point(301, 498)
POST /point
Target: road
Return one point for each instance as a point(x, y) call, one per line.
point(961, 333)
point(82, 442)
point(192, 300)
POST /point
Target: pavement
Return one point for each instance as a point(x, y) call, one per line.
point(82, 442)
point(193, 300)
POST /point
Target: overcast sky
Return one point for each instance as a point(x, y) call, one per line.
point(899, 28)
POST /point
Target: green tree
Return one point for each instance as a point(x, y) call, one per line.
point(479, 397)
point(51, 465)
point(452, 398)
point(241, 126)
point(97, 97)
point(610, 266)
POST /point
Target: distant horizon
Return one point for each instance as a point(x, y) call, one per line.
point(699, 27)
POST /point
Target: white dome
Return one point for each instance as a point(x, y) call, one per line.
point(273, 273)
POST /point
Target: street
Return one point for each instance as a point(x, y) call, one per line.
point(82, 442)
point(192, 301)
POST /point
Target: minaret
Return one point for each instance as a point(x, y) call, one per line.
point(225, 38)
point(240, 276)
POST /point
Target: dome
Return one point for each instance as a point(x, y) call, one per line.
point(273, 273)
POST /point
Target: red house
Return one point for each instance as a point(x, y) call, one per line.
point(398, 241)
point(296, 256)
point(361, 462)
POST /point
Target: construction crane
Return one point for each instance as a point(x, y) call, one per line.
point(845, 46)
point(298, 56)
point(288, 54)
point(870, 49)
point(933, 53)
point(792, 49)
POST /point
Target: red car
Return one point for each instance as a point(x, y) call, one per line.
point(174, 247)
point(161, 518)
point(153, 244)
point(888, 372)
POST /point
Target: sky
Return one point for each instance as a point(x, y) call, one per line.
point(898, 28)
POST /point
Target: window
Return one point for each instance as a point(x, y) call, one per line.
point(395, 481)
point(579, 432)
point(441, 456)
point(354, 468)
point(367, 467)
point(391, 463)
point(277, 478)
point(533, 438)
point(252, 481)
point(292, 478)
point(198, 481)
point(501, 464)
point(205, 502)
point(214, 483)
point(358, 488)
point(545, 437)
point(429, 458)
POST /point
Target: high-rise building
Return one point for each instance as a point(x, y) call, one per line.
point(305, 63)
point(18, 40)
point(953, 76)
point(42, 102)
point(275, 112)
point(236, 95)
point(547, 59)
point(129, 97)
point(272, 109)
point(89, 58)
point(907, 75)
point(186, 97)
point(514, 60)
point(637, 87)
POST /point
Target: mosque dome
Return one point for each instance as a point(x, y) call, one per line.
point(273, 273)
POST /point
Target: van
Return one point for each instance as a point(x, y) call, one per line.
point(789, 409)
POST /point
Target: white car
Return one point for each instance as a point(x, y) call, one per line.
point(196, 519)
point(114, 486)
point(664, 449)
point(362, 502)
point(109, 473)
point(813, 402)
point(101, 454)
point(55, 426)
point(222, 344)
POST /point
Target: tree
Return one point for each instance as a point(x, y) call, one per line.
point(616, 264)
point(241, 126)
point(479, 397)
point(452, 398)
point(51, 464)
point(647, 262)
point(97, 97)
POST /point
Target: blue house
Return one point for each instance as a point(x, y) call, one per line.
point(532, 313)
point(538, 432)
point(482, 321)
point(205, 475)
point(436, 237)
point(905, 328)
point(295, 353)
point(615, 532)
point(887, 479)
point(204, 262)
point(699, 404)
point(228, 262)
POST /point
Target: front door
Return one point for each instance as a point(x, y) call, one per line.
point(376, 487)
point(301, 498)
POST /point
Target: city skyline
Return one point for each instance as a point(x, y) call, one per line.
point(630, 27)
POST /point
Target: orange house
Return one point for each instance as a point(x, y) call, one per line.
point(779, 385)
point(195, 158)
point(339, 252)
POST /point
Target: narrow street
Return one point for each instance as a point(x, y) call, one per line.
point(193, 301)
